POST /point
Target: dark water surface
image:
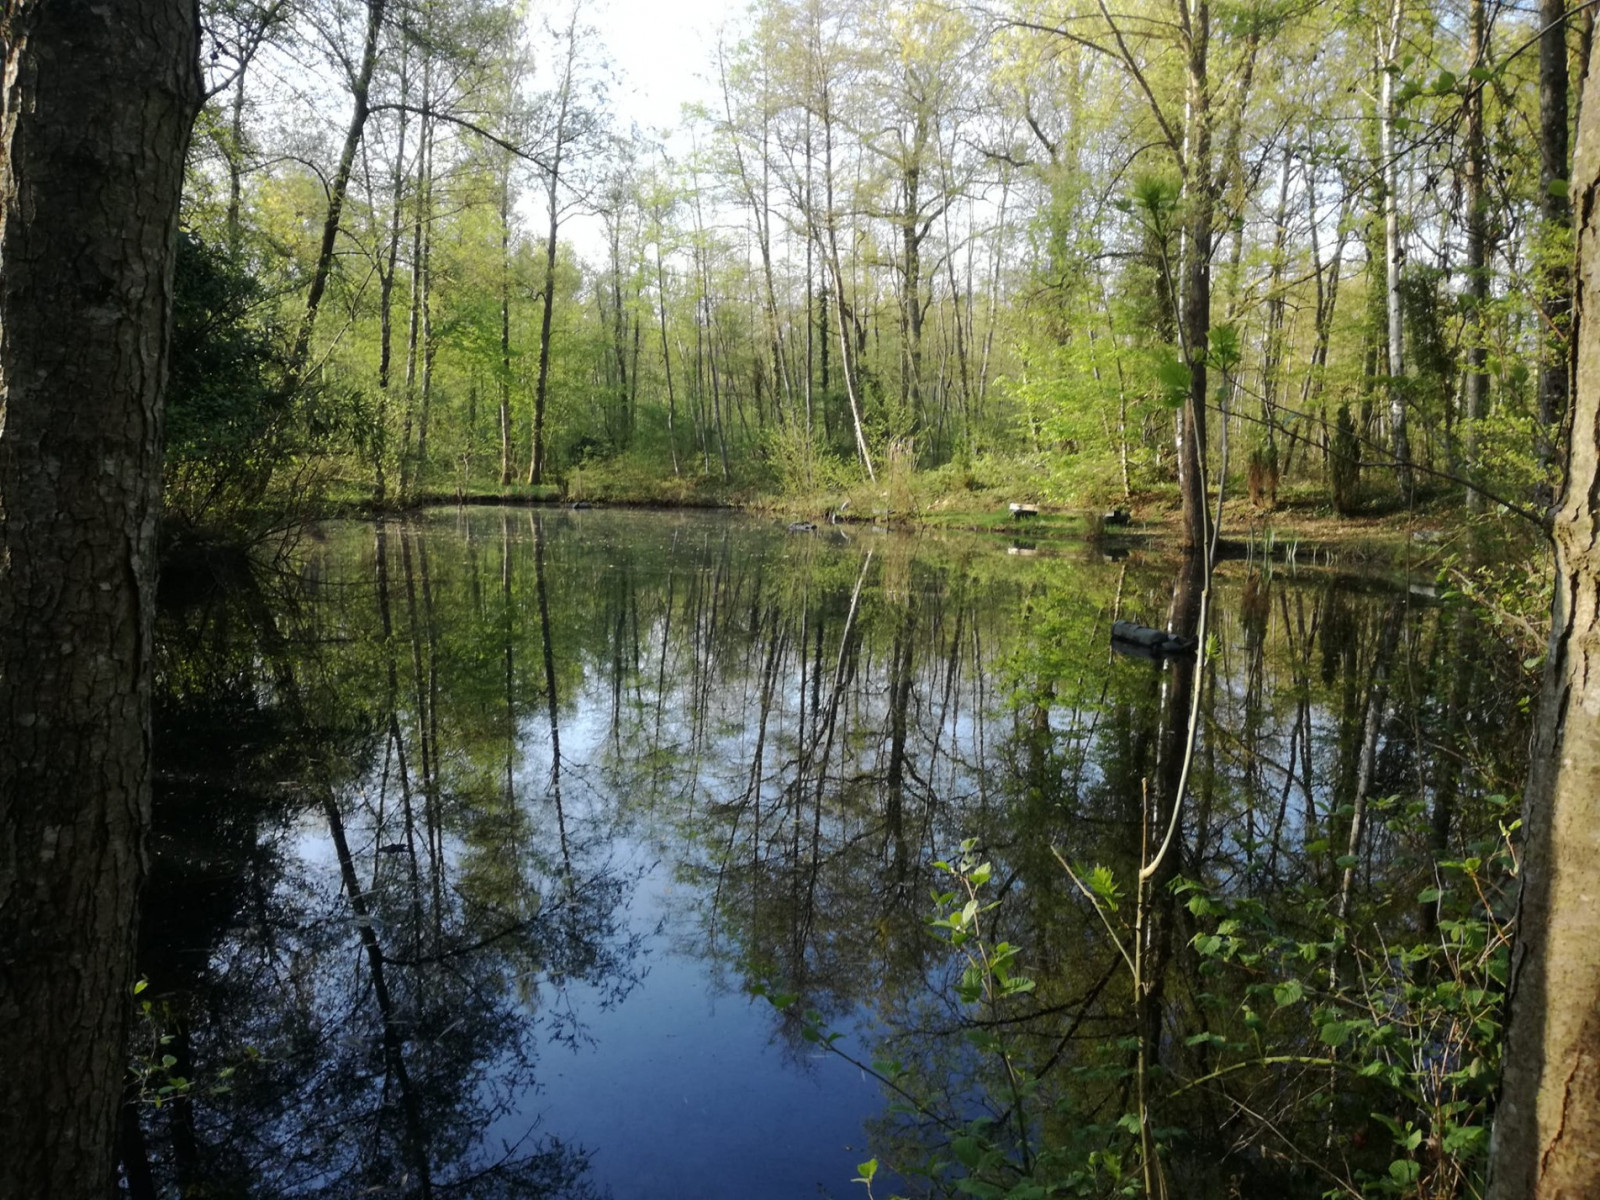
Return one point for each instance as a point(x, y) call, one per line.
point(475, 833)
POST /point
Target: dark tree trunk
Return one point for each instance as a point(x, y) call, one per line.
point(1547, 1126)
point(1556, 284)
point(537, 451)
point(361, 109)
point(1475, 387)
point(1195, 304)
point(98, 105)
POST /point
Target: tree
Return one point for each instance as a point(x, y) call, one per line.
point(1547, 1127)
point(563, 132)
point(1555, 286)
point(97, 112)
point(360, 110)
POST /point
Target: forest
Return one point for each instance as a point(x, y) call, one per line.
point(913, 252)
point(313, 861)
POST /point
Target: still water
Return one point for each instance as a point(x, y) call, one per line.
point(527, 853)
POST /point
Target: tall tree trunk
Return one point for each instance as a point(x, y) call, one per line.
point(761, 213)
point(503, 384)
point(847, 361)
point(235, 157)
point(1546, 1140)
point(417, 327)
point(386, 276)
point(617, 421)
point(541, 387)
point(666, 357)
point(536, 454)
point(1555, 285)
point(429, 347)
point(360, 109)
point(1389, 69)
point(94, 126)
point(911, 307)
point(1475, 386)
point(1195, 303)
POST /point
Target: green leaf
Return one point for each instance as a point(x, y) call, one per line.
point(1224, 341)
point(1465, 1140)
point(867, 1170)
point(1559, 187)
point(967, 1151)
point(1174, 377)
point(1335, 1033)
point(1404, 1171)
point(1288, 992)
point(979, 1188)
point(1429, 896)
point(1103, 883)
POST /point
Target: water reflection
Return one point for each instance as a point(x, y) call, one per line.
point(473, 832)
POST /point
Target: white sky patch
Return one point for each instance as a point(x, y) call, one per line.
point(662, 57)
point(664, 54)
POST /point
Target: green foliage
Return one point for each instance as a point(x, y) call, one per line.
point(228, 410)
point(801, 467)
point(1344, 464)
point(1263, 476)
point(1406, 1024)
point(244, 451)
point(156, 1071)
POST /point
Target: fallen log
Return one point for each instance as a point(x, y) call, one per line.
point(1156, 641)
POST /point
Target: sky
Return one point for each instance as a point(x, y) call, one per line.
point(662, 55)
point(662, 52)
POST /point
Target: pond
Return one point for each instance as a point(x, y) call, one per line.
point(524, 852)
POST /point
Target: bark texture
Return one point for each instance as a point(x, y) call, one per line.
point(1546, 1141)
point(98, 103)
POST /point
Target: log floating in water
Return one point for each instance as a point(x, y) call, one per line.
point(1157, 641)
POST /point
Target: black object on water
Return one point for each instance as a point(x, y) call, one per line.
point(1157, 642)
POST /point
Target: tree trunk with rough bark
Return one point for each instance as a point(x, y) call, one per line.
point(1546, 1140)
point(98, 105)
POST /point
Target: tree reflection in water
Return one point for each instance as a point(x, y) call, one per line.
point(391, 783)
